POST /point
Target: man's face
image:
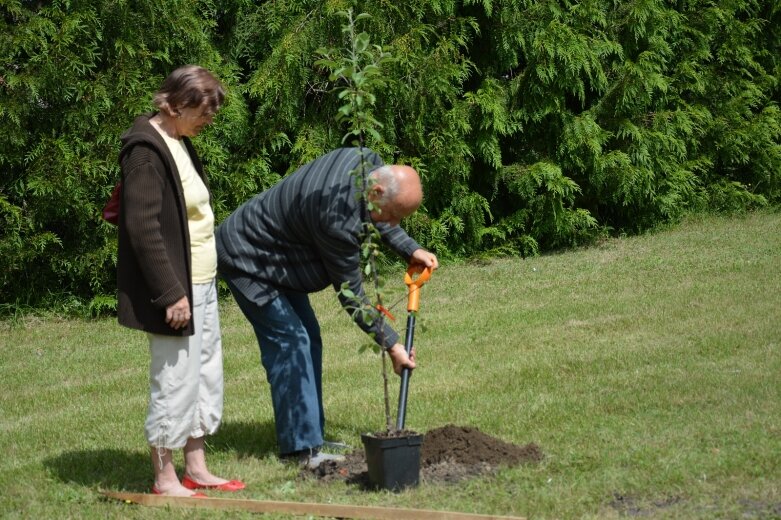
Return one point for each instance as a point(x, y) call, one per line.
point(407, 196)
point(387, 213)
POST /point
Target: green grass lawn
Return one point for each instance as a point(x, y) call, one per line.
point(647, 369)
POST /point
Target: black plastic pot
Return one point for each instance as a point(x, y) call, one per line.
point(394, 462)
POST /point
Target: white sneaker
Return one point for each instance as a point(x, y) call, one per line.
point(335, 446)
point(318, 457)
point(311, 458)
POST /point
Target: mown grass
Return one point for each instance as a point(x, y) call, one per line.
point(646, 369)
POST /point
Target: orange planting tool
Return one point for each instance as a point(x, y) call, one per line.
point(413, 303)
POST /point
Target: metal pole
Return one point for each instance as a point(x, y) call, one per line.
point(405, 373)
point(413, 302)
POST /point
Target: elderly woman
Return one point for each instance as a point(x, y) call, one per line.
point(166, 277)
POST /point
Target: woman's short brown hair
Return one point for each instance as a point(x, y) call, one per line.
point(190, 86)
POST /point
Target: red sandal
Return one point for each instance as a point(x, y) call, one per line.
point(231, 485)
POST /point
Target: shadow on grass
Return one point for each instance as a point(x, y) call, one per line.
point(107, 469)
point(246, 439)
point(132, 470)
point(250, 439)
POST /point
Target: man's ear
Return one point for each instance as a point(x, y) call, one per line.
point(376, 191)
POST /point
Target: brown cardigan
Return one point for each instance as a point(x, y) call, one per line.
point(153, 266)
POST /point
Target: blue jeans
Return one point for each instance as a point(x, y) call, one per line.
point(291, 351)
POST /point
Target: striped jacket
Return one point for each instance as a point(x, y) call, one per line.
point(303, 235)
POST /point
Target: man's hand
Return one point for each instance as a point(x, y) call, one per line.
point(424, 258)
point(399, 358)
point(177, 315)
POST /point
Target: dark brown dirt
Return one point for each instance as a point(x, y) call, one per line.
point(448, 454)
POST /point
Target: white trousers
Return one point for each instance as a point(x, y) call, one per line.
point(185, 378)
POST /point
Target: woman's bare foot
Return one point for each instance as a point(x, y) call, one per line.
point(172, 489)
point(205, 478)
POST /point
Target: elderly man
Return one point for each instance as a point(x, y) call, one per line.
point(301, 236)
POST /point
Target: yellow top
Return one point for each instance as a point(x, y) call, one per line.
point(200, 218)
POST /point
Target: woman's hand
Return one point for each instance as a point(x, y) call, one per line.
point(177, 315)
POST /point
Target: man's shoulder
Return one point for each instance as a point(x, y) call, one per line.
point(352, 155)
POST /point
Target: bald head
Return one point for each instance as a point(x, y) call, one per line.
point(397, 191)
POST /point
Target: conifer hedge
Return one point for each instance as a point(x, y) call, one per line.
point(535, 124)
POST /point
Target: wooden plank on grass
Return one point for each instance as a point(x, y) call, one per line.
point(298, 508)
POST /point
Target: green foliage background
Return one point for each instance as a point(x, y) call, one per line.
point(535, 124)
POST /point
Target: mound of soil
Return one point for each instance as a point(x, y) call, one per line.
point(448, 454)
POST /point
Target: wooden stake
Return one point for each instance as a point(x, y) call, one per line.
point(298, 508)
